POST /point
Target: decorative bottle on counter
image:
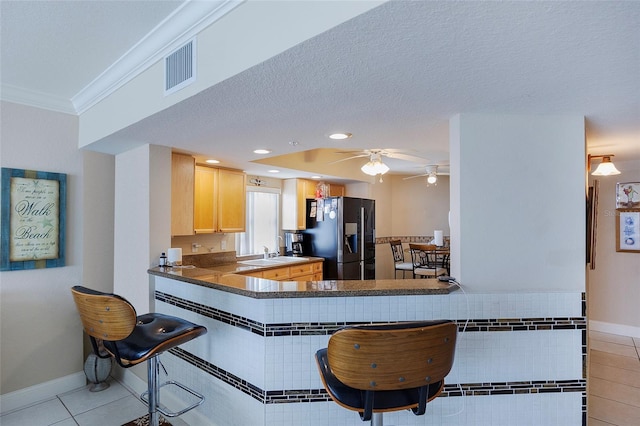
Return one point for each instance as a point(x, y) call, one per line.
point(163, 259)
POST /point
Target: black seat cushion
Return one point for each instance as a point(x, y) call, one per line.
point(153, 333)
point(355, 398)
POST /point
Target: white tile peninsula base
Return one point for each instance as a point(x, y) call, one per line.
point(519, 357)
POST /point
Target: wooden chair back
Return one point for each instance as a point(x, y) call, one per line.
point(396, 249)
point(104, 316)
point(393, 356)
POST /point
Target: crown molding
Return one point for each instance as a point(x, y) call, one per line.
point(183, 24)
point(36, 99)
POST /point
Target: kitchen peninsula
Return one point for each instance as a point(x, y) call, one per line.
point(256, 364)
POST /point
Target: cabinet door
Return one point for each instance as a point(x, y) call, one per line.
point(278, 274)
point(182, 186)
point(310, 187)
point(336, 190)
point(301, 205)
point(289, 204)
point(301, 270)
point(205, 213)
point(231, 200)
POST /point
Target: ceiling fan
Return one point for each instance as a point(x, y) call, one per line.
point(431, 172)
point(375, 166)
point(391, 153)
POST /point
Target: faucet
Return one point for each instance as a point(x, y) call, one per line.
point(278, 249)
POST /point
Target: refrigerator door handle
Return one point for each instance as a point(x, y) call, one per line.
point(361, 243)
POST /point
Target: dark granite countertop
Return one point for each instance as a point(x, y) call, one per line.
point(227, 277)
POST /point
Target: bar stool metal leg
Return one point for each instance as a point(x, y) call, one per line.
point(151, 396)
point(153, 367)
point(376, 419)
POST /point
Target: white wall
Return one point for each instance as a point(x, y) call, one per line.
point(614, 285)
point(142, 220)
point(418, 208)
point(518, 202)
point(40, 328)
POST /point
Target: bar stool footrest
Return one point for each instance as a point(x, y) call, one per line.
point(145, 398)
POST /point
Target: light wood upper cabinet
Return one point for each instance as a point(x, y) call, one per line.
point(182, 187)
point(336, 190)
point(220, 200)
point(232, 200)
point(205, 215)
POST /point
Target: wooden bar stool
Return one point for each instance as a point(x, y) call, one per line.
point(133, 339)
point(387, 367)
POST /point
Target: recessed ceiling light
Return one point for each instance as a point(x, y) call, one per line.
point(316, 177)
point(212, 161)
point(261, 151)
point(274, 171)
point(339, 136)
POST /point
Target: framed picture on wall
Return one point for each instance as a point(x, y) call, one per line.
point(33, 224)
point(628, 195)
point(628, 230)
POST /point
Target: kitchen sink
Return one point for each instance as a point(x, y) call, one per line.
point(280, 260)
point(288, 259)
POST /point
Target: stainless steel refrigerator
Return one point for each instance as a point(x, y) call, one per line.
point(342, 231)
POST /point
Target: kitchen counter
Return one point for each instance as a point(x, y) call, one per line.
point(256, 363)
point(229, 278)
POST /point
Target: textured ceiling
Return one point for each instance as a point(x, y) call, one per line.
point(57, 48)
point(395, 75)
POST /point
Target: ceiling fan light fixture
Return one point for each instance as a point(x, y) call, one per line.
point(375, 167)
point(433, 178)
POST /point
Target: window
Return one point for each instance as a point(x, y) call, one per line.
point(263, 212)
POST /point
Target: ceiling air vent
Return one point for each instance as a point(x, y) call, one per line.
point(180, 68)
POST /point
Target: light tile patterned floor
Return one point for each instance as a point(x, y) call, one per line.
point(111, 407)
point(613, 380)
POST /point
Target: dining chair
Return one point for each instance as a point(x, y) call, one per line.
point(398, 258)
point(426, 262)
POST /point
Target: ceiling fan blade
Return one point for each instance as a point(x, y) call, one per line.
point(357, 151)
point(405, 157)
point(413, 177)
point(349, 158)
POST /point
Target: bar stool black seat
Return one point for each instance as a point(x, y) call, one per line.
point(387, 367)
point(111, 320)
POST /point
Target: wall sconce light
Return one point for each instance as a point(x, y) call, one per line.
point(605, 168)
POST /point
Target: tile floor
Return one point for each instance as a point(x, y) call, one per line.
point(613, 387)
point(111, 407)
point(613, 380)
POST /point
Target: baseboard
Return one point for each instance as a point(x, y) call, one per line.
point(136, 385)
point(41, 392)
point(619, 329)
